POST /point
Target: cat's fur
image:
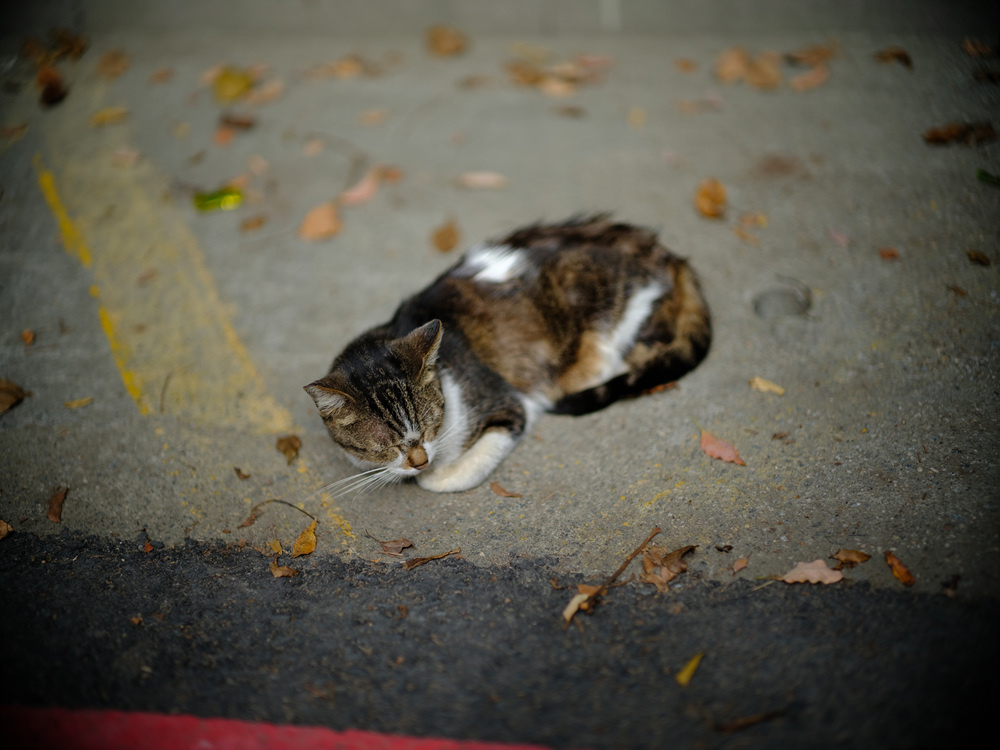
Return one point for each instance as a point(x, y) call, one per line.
point(565, 318)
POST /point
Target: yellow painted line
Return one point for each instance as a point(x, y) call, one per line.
point(169, 332)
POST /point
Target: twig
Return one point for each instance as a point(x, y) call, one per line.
point(256, 511)
point(586, 603)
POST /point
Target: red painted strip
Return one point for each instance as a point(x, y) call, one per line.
point(63, 729)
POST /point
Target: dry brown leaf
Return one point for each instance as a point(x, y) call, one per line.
point(716, 448)
point(321, 222)
point(11, 394)
point(28, 337)
point(108, 116)
point(848, 558)
point(113, 63)
point(978, 257)
point(395, 547)
point(816, 571)
point(253, 223)
point(363, 190)
point(888, 253)
point(741, 564)
point(56, 504)
point(731, 65)
point(147, 547)
point(79, 402)
point(766, 386)
point(482, 180)
point(289, 445)
point(902, 573)
point(223, 135)
point(275, 546)
point(445, 41)
point(417, 561)
point(812, 55)
point(238, 121)
point(764, 71)
point(446, 236)
point(895, 54)
point(660, 565)
point(498, 490)
point(282, 571)
point(710, 198)
point(5, 529)
point(306, 543)
point(809, 80)
point(966, 133)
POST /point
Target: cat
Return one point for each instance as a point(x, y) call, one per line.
point(564, 318)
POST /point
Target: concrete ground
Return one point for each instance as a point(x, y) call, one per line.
point(193, 336)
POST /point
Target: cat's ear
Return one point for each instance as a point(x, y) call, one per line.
point(328, 400)
point(420, 347)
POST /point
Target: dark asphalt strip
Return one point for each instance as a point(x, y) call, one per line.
point(453, 650)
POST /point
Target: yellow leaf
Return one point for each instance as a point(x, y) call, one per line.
point(306, 542)
point(77, 403)
point(766, 386)
point(684, 676)
point(282, 571)
point(108, 116)
point(275, 546)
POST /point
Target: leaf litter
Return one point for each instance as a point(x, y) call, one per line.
point(56, 504)
point(816, 571)
point(716, 448)
point(900, 571)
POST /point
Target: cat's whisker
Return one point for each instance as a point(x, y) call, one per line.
point(352, 483)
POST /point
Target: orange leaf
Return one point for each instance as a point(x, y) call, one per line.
point(848, 558)
point(321, 222)
point(902, 573)
point(364, 189)
point(498, 490)
point(716, 448)
point(809, 80)
point(816, 571)
point(306, 543)
point(710, 198)
point(741, 564)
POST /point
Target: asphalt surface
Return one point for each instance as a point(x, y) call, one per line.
point(856, 266)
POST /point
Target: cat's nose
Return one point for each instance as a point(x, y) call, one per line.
point(417, 457)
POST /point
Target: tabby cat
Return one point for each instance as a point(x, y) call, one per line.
point(565, 318)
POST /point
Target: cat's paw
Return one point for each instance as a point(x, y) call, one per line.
point(442, 480)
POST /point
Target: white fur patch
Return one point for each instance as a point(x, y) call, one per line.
point(472, 467)
point(622, 338)
point(493, 265)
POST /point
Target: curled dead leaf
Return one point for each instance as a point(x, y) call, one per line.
point(660, 565)
point(902, 573)
point(321, 222)
point(731, 64)
point(710, 198)
point(716, 448)
point(498, 490)
point(848, 558)
point(816, 571)
point(741, 564)
point(56, 504)
point(766, 386)
point(306, 543)
point(888, 253)
point(282, 571)
point(289, 445)
point(5, 529)
point(11, 394)
point(895, 54)
point(417, 561)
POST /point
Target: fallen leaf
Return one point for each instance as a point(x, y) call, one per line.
point(956, 290)
point(816, 571)
point(306, 543)
point(978, 258)
point(253, 223)
point(684, 676)
point(79, 402)
point(744, 235)
point(975, 48)
point(13, 132)
point(113, 63)
point(556, 87)
point(684, 65)
point(372, 117)
point(28, 337)
point(69, 44)
point(848, 558)
point(710, 198)
point(282, 571)
point(812, 55)
point(764, 72)
point(809, 80)
point(498, 490)
point(51, 82)
point(779, 436)
point(363, 190)
point(902, 573)
point(766, 386)
point(482, 180)
point(137, 620)
point(266, 92)
point(446, 236)
point(161, 75)
point(241, 475)
point(888, 253)
point(660, 565)
point(395, 547)
point(716, 448)
point(895, 54)
point(147, 547)
point(275, 546)
point(56, 504)
point(321, 222)
point(445, 41)
point(731, 64)
point(223, 135)
point(238, 121)
point(289, 445)
point(11, 394)
point(5, 529)
point(108, 116)
point(229, 84)
point(741, 564)
point(966, 133)
point(417, 561)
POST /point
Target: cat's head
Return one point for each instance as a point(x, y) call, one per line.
point(382, 402)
